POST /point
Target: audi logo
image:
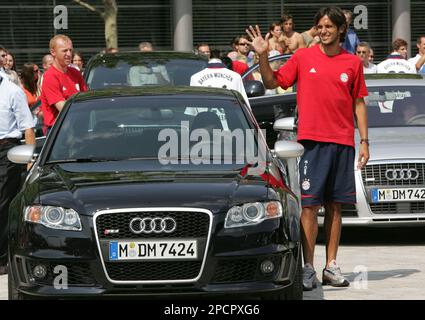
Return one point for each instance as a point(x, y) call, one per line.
point(150, 225)
point(401, 174)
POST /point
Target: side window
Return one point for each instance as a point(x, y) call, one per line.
point(255, 74)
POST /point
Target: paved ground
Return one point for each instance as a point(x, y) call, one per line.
point(393, 258)
point(392, 261)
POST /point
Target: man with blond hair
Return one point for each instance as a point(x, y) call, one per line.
point(59, 82)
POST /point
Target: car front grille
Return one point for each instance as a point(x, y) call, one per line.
point(374, 174)
point(398, 207)
point(189, 225)
point(153, 271)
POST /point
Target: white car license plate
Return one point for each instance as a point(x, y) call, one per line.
point(398, 195)
point(153, 250)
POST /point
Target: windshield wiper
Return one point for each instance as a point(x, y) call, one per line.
point(83, 160)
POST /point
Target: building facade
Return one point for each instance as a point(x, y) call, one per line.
point(27, 25)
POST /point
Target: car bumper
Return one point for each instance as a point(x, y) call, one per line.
point(74, 268)
point(363, 214)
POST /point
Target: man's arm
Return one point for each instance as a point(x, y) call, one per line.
point(261, 46)
point(420, 62)
point(29, 139)
point(360, 113)
point(59, 105)
point(29, 136)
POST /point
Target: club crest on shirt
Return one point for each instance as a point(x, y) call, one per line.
point(344, 77)
point(306, 185)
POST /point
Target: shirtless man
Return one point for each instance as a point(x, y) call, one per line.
point(293, 40)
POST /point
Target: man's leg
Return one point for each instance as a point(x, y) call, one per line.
point(332, 273)
point(9, 185)
point(332, 230)
point(309, 231)
point(341, 189)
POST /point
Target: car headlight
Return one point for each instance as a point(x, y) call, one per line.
point(252, 213)
point(54, 217)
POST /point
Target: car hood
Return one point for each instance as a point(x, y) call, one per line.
point(397, 143)
point(87, 189)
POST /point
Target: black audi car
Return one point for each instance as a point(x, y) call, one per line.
point(131, 196)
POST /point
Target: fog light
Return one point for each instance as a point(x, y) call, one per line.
point(267, 266)
point(39, 271)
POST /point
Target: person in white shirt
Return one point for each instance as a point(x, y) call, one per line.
point(396, 62)
point(363, 52)
point(419, 59)
point(218, 76)
point(15, 118)
point(3, 55)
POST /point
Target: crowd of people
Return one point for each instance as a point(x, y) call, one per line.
point(282, 39)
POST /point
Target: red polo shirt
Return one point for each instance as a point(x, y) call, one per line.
point(58, 86)
point(327, 88)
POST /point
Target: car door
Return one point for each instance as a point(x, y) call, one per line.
point(269, 108)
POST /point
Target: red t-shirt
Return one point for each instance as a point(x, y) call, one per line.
point(327, 88)
point(58, 86)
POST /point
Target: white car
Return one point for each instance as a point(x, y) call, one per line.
point(391, 189)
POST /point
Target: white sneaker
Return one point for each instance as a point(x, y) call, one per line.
point(332, 276)
point(309, 277)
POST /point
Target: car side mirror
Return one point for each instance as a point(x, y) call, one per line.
point(288, 149)
point(21, 154)
point(285, 124)
point(254, 88)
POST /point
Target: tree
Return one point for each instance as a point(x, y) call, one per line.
point(109, 15)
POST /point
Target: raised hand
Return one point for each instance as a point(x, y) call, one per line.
point(259, 44)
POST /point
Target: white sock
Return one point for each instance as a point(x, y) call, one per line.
point(308, 265)
point(333, 264)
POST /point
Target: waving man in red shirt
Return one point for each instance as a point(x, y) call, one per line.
point(330, 91)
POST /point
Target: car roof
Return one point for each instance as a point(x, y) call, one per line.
point(215, 93)
point(394, 79)
point(131, 55)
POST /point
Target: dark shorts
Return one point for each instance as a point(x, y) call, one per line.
point(327, 173)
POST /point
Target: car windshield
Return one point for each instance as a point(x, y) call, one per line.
point(134, 128)
point(143, 72)
point(396, 106)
